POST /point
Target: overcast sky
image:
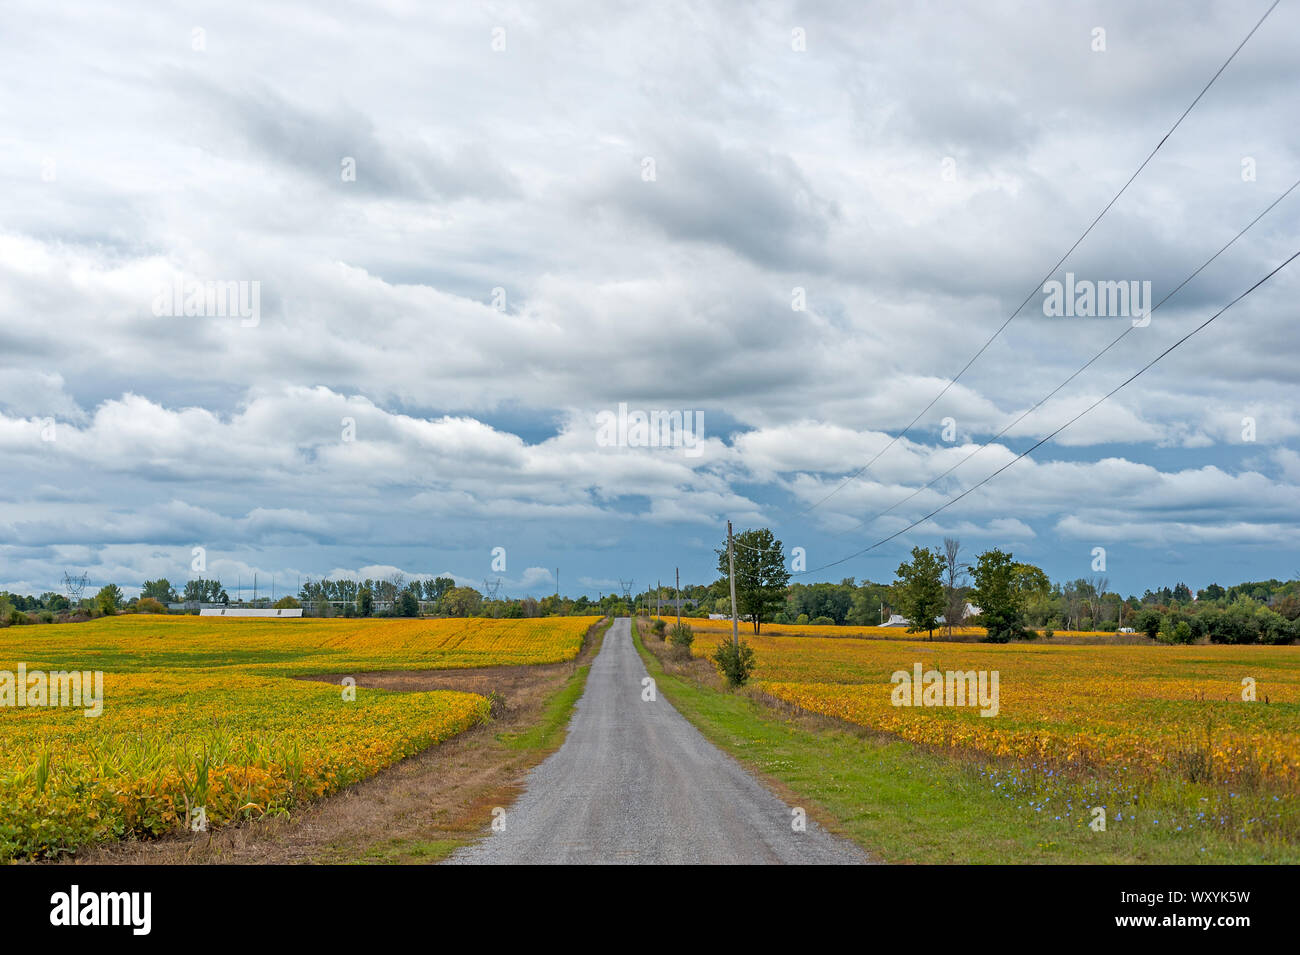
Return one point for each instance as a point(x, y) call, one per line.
point(473, 228)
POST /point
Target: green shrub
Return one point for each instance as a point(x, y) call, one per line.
point(801, 619)
point(1275, 628)
point(682, 635)
point(1173, 630)
point(735, 663)
point(286, 603)
point(108, 600)
point(823, 621)
point(658, 627)
point(1237, 624)
point(1002, 635)
point(1148, 622)
point(1048, 633)
point(1007, 633)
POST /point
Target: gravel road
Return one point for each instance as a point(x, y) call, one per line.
point(634, 782)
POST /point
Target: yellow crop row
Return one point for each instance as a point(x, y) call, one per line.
point(1141, 707)
point(855, 630)
point(307, 645)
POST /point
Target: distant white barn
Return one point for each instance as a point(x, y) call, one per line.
point(898, 620)
point(971, 611)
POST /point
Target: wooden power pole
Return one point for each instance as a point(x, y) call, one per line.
point(677, 572)
point(731, 567)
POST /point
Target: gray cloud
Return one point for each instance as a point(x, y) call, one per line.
point(314, 140)
point(757, 203)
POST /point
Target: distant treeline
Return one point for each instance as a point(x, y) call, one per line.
point(1011, 599)
point(1264, 611)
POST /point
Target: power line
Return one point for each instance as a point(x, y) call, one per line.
point(1077, 372)
point(1047, 438)
point(892, 441)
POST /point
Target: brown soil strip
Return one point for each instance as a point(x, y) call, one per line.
point(418, 810)
point(513, 686)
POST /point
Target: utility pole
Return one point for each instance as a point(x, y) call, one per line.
point(678, 572)
point(731, 567)
point(659, 592)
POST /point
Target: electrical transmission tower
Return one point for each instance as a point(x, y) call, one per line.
point(627, 589)
point(492, 588)
point(75, 586)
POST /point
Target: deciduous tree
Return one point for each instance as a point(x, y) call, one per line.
point(109, 599)
point(1000, 599)
point(761, 576)
point(919, 591)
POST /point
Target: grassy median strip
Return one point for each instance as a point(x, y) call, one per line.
point(908, 804)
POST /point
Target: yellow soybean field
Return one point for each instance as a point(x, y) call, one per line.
point(1135, 708)
point(203, 721)
point(855, 630)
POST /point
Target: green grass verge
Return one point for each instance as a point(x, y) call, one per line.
point(414, 852)
point(906, 804)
